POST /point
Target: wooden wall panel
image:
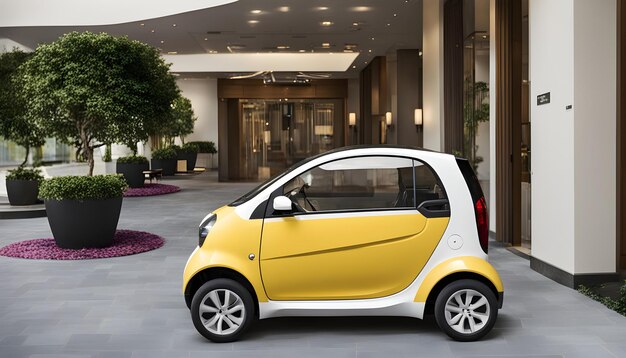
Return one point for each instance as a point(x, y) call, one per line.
point(453, 75)
point(373, 93)
point(508, 120)
point(621, 134)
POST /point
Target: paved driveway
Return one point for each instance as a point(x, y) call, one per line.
point(132, 306)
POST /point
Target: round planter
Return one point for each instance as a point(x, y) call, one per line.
point(190, 158)
point(78, 224)
point(133, 173)
point(22, 192)
point(168, 165)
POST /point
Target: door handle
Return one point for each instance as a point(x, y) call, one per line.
point(439, 208)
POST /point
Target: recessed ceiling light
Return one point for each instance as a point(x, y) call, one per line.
point(212, 51)
point(360, 8)
point(172, 53)
point(484, 36)
point(256, 12)
point(283, 9)
point(162, 41)
point(322, 8)
point(142, 24)
point(325, 44)
point(174, 25)
point(302, 51)
point(370, 51)
point(355, 24)
point(388, 24)
point(252, 22)
point(206, 39)
point(395, 15)
point(282, 47)
point(152, 30)
point(353, 66)
point(372, 39)
point(326, 23)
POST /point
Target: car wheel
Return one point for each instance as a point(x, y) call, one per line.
point(222, 309)
point(466, 310)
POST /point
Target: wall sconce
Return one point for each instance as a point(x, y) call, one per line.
point(351, 119)
point(418, 118)
point(389, 119)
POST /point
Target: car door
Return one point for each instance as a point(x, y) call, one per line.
point(355, 232)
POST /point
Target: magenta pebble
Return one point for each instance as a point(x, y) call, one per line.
point(151, 189)
point(126, 242)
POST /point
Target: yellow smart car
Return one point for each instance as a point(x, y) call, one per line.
point(359, 231)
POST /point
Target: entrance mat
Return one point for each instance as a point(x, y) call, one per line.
point(125, 242)
point(151, 189)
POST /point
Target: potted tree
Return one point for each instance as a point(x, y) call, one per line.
point(165, 159)
point(120, 90)
point(132, 168)
point(14, 125)
point(23, 185)
point(83, 211)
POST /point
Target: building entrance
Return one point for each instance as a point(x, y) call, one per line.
point(279, 133)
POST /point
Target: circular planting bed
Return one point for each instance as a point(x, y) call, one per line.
point(151, 189)
point(126, 242)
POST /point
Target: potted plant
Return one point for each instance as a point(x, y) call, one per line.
point(132, 168)
point(109, 165)
point(188, 152)
point(165, 159)
point(23, 185)
point(206, 150)
point(83, 211)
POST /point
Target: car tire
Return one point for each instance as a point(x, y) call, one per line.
point(465, 320)
point(222, 310)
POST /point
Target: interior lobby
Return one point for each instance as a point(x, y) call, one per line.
point(530, 92)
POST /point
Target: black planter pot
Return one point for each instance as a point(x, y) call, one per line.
point(133, 173)
point(168, 165)
point(78, 224)
point(22, 192)
point(190, 158)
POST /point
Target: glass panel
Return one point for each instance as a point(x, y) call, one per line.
point(279, 133)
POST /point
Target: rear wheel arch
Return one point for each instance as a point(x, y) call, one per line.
point(456, 276)
point(211, 273)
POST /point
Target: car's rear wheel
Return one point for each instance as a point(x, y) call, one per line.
point(222, 309)
point(466, 310)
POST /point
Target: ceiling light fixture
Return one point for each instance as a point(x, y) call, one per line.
point(325, 44)
point(322, 8)
point(372, 39)
point(283, 9)
point(360, 8)
point(142, 24)
point(206, 39)
point(395, 15)
point(326, 23)
point(162, 41)
point(172, 53)
point(355, 24)
point(173, 25)
point(256, 12)
point(282, 47)
point(252, 22)
point(152, 30)
point(302, 51)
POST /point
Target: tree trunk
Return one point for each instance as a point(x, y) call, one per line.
point(87, 149)
point(26, 156)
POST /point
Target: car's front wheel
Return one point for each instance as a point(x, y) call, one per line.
point(222, 309)
point(466, 310)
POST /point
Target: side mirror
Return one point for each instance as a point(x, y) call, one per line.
point(282, 203)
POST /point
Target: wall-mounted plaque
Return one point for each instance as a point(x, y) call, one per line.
point(543, 98)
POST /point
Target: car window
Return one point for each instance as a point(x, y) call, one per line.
point(361, 183)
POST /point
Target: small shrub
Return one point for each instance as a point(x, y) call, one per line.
point(618, 305)
point(22, 173)
point(83, 187)
point(205, 147)
point(133, 159)
point(189, 148)
point(107, 154)
point(164, 154)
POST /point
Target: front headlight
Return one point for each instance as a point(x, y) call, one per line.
point(205, 227)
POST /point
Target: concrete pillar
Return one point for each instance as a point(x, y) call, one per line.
point(573, 56)
point(433, 74)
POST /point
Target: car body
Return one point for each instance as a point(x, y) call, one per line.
point(358, 231)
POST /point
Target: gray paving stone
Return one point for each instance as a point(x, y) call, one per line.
point(131, 307)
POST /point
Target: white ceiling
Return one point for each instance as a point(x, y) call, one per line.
point(382, 26)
